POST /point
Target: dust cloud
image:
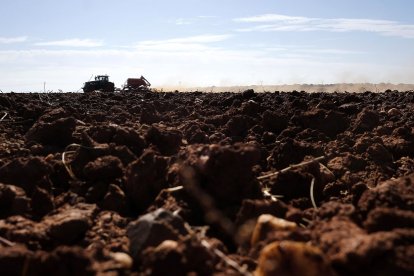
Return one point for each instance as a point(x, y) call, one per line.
point(329, 88)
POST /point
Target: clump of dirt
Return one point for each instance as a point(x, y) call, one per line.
point(145, 178)
point(53, 128)
point(225, 173)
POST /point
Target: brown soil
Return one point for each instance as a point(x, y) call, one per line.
point(207, 184)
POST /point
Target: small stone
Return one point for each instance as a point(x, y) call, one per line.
point(122, 258)
point(152, 229)
point(268, 223)
point(167, 245)
point(292, 258)
point(394, 112)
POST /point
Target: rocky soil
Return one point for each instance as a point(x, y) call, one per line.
point(207, 183)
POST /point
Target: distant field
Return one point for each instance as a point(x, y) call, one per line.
point(338, 87)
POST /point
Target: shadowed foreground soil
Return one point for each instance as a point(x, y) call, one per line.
point(178, 183)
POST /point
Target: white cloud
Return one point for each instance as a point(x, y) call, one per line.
point(192, 20)
point(9, 40)
point(273, 18)
point(183, 21)
point(183, 44)
point(75, 42)
point(311, 50)
point(278, 22)
point(207, 38)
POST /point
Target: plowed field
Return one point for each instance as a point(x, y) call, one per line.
point(207, 183)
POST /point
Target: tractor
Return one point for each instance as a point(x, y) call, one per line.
point(101, 83)
point(137, 85)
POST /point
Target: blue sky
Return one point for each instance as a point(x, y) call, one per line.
point(204, 43)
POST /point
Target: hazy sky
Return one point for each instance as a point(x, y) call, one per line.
point(204, 43)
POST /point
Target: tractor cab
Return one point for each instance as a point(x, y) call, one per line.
point(102, 78)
